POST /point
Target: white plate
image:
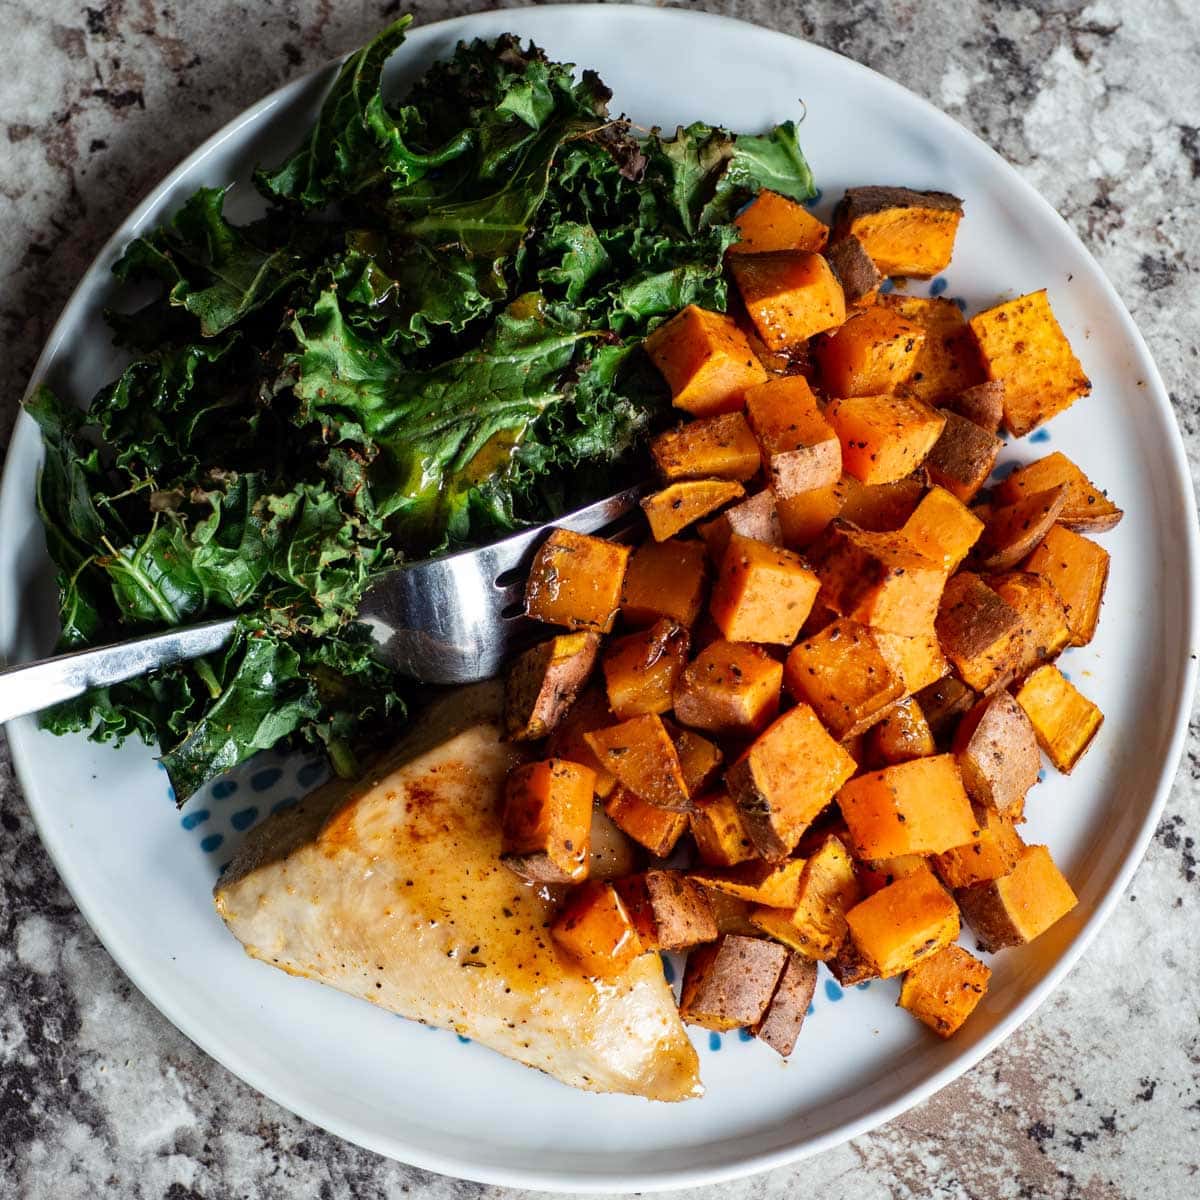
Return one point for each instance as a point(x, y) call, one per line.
point(143, 881)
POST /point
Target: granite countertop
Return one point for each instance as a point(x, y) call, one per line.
point(1097, 1096)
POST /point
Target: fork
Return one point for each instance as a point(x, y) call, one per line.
point(447, 620)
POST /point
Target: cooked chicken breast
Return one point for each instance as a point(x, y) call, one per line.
point(391, 889)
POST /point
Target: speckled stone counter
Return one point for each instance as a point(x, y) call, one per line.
point(1096, 1097)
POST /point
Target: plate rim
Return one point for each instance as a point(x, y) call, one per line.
point(530, 1177)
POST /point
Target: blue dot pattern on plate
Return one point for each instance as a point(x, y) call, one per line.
point(192, 819)
point(224, 788)
point(241, 821)
point(745, 1035)
point(262, 781)
point(886, 287)
point(466, 1041)
point(210, 843)
point(833, 990)
point(668, 969)
point(714, 1041)
point(1040, 435)
point(862, 987)
point(937, 286)
point(1041, 774)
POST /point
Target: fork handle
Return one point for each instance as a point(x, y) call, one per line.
point(37, 685)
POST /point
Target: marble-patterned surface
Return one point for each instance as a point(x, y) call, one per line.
point(1098, 105)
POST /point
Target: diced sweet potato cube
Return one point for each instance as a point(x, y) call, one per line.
point(589, 712)
point(963, 457)
point(977, 631)
point(1086, 507)
point(547, 821)
point(873, 353)
point(916, 658)
point(881, 507)
point(1023, 344)
point(855, 270)
point(997, 754)
point(640, 753)
point(1017, 907)
point(943, 989)
point(576, 581)
point(762, 594)
point(1044, 629)
point(917, 807)
point(948, 362)
point(731, 914)
point(790, 295)
point(877, 579)
point(541, 684)
point(904, 922)
point(780, 1025)
point(773, 222)
point(720, 447)
point(843, 674)
point(1078, 570)
point(776, 885)
point(806, 515)
point(785, 778)
point(800, 449)
point(943, 528)
point(669, 911)
point(657, 829)
point(756, 517)
point(884, 438)
point(642, 668)
point(982, 405)
point(730, 687)
point(992, 852)
point(664, 579)
point(906, 232)
point(706, 361)
point(1013, 530)
point(730, 983)
point(596, 930)
point(699, 759)
point(849, 966)
point(876, 874)
point(902, 735)
point(944, 702)
point(721, 837)
point(1064, 720)
point(679, 504)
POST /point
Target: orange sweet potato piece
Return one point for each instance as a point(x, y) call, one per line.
point(664, 579)
point(589, 712)
point(1019, 906)
point(943, 989)
point(855, 271)
point(679, 504)
point(773, 222)
point(699, 759)
point(992, 852)
point(948, 362)
point(721, 837)
point(576, 581)
point(756, 517)
point(800, 449)
point(546, 827)
point(596, 930)
point(669, 911)
point(641, 669)
point(1064, 720)
point(873, 353)
point(785, 778)
point(762, 593)
point(780, 1025)
point(730, 983)
point(977, 631)
point(1013, 530)
point(1044, 629)
point(843, 674)
point(720, 447)
point(541, 684)
point(904, 922)
point(916, 807)
point(902, 735)
point(963, 457)
point(878, 873)
point(729, 688)
point(1023, 344)
point(640, 753)
point(806, 515)
point(657, 829)
point(706, 361)
point(917, 658)
point(943, 528)
point(906, 232)
point(1078, 570)
point(776, 885)
point(884, 438)
point(1086, 506)
point(881, 507)
point(997, 754)
point(790, 295)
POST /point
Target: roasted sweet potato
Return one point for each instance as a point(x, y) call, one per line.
point(948, 362)
point(1064, 720)
point(1078, 570)
point(730, 983)
point(1017, 907)
point(699, 759)
point(720, 447)
point(963, 457)
point(664, 579)
point(785, 778)
point(806, 515)
point(1023, 344)
point(657, 829)
point(545, 831)
point(1011, 531)
point(905, 232)
point(884, 438)
point(780, 1025)
point(916, 807)
point(762, 593)
point(877, 873)
point(590, 711)
point(721, 837)
point(542, 683)
point(776, 885)
point(943, 702)
point(1044, 629)
point(731, 914)
point(773, 222)
point(873, 353)
point(790, 295)
point(756, 517)
point(982, 405)
point(916, 658)
point(595, 928)
point(706, 361)
point(642, 668)
point(977, 631)
point(730, 688)
point(575, 580)
point(640, 753)
point(881, 507)
point(904, 922)
point(669, 911)
point(997, 754)
point(800, 449)
point(992, 852)
point(902, 735)
point(943, 989)
point(1086, 506)
point(943, 529)
point(849, 966)
point(679, 504)
point(855, 271)
point(844, 675)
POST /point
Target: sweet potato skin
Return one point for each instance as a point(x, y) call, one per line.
point(668, 910)
point(1013, 530)
point(575, 580)
point(997, 754)
point(780, 1025)
point(756, 517)
point(963, 457)
point(800, 449)
point(730, 983)
point(976, 629)
point(541, 684)
point(1086, 507)
point(982, 404)
point(855, 271)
